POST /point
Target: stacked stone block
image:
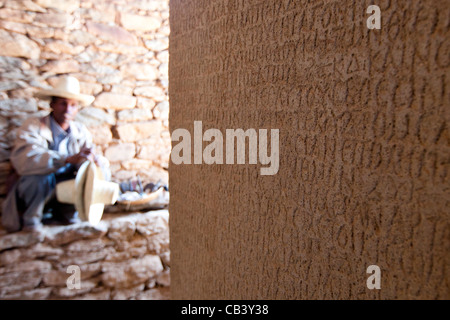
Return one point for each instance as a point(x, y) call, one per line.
point(117, 49)
point(124, 257)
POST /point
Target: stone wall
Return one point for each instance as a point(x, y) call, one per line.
point(124, 257)
point(364, 149)
point(118, 49)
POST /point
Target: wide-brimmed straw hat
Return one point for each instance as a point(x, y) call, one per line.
point(66, 87)
point(89, 192)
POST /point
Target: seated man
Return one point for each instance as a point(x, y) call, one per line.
point(48, 150)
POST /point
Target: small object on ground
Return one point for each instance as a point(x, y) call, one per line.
point(134, 197)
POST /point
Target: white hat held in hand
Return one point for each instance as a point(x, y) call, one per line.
point(89, 192)
point(66, 87)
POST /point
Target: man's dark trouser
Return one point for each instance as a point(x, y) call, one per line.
point(36, 194)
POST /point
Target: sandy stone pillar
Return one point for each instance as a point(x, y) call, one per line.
point(363, 116)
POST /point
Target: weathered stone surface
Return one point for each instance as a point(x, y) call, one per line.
point(5, 167)
point(136, 164)
point(4, 154)
point(155, 229)
point(149, 5)
point(14, 282)
point(145, 103)
point(111, 33)
point(87, 245)
point(122, 228)
point(111, 79)
point(91, 117)
point(155, 149)
point(8, 85)
point(86, 286)
point(14, 26)
point(59, 47)
point(10, 256)
point(115, 101)
point(165, 258)
point(118, 262)
point(163, 56)
point(103, 12)
point(163, 279)
point(100, 295)
point(40, 250)
point(55, 20)
point(164, 71)
point(28, 266)
point(152, 223)
point(97, 68)
point(108, 52)
point(133, 273)
point(16, 76)
point(18, 105)
point(345, 196)
point(133, 252)
point(16, 15)
point(63, 5)
point(122, 89)
point(158, 243)
point(17, 45)
point(101, 135)
point(120, 152)
point(134, 115)
point(28, 5)
point(20, 239)
point(161, 110)
point(139, 23)
point(11, 63)
point(154, 294)
point(34, 294)
point(80, 37)
point(122, 49)
point(56, 278)
point(138, 131)
point(64, 234)
point(157, 44)
point(128, 247)
point(79, 258)
point(59, 277)
point(125, 294)
point(90, 88)
point(61, 66)
point(154, 92)
point(139, 71)
point(155, 174)
point(164, 30)
point(135, 241)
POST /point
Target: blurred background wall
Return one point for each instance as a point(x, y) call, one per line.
point(118, 49)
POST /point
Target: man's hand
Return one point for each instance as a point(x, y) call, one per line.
point(83, 155)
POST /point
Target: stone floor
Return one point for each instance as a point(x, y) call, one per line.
point(126, 256)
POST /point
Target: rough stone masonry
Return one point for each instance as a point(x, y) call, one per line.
point(117, 49)
point(124, 257)
point(363, 116)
